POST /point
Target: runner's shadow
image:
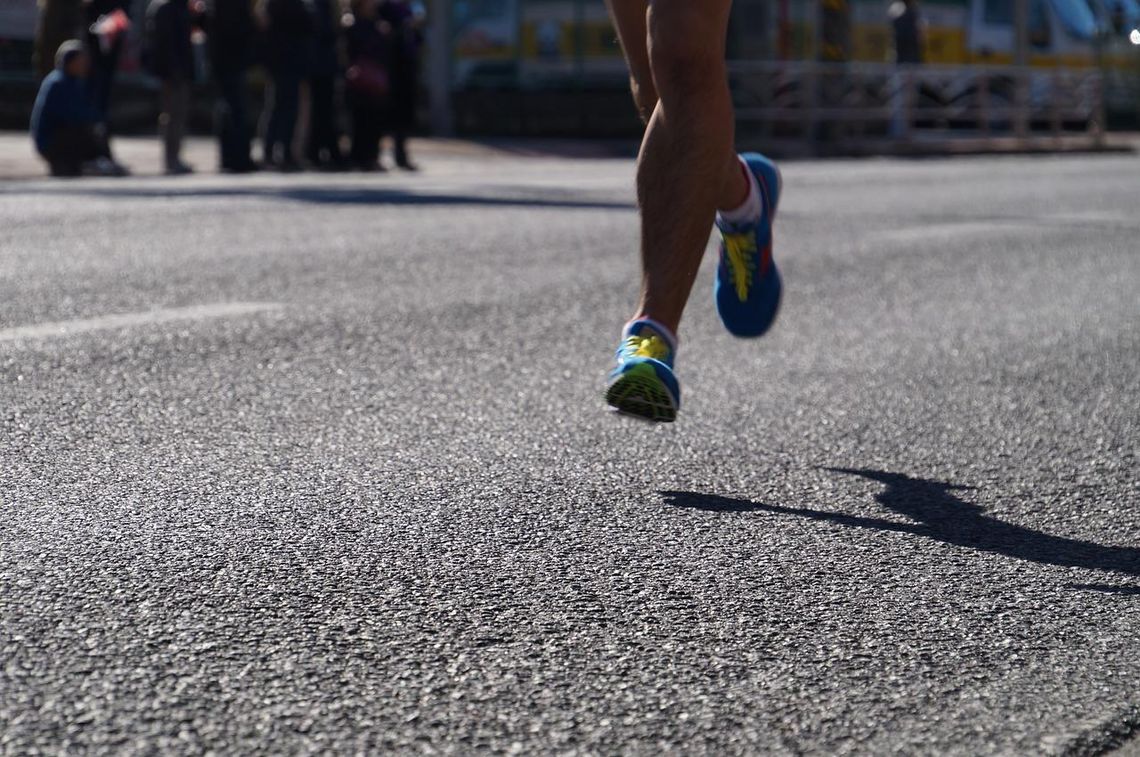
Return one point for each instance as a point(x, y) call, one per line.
point(939, 513)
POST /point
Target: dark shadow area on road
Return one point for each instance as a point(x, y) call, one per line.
point(943, 516)
point(344, 196)
point(1108, 589)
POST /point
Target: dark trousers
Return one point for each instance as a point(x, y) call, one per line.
point(367, 128)
point(282, 122)
point(323, 137)
point(403, 112)
point(175, 96)
point(232, 121)
point(103, 67)
point(400, 146)
point(72, 146)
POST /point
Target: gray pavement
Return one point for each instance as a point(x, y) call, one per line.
point(320, 464)
point(142, 154)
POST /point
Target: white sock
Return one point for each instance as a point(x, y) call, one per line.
point(750, 209)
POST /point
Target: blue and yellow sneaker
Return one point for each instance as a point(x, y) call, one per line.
point(642, 383)
point(748, 285)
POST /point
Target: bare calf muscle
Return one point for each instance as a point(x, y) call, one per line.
point(684, 154)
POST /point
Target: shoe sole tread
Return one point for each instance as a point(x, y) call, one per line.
point(642, 394)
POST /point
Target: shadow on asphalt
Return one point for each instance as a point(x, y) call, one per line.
point(344, 196)
point(943, 516)
point(1107, 588)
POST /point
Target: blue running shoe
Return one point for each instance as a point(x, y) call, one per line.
point(642, 383)
point(747, 283)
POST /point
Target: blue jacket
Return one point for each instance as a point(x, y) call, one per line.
point(62, 101)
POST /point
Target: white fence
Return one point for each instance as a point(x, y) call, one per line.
point(877, 107)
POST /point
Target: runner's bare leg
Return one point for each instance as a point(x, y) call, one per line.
point(687, 168)
point(629, 17)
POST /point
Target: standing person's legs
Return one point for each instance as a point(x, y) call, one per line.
point(287, 96)
point(281, 125)
point(302, 126)
point(374, 117)
point(175, 109)
point(403, 115)
point(238, 99)
point(313, 141)
point(400, 145)
point(181, 115)
point(366, 131)
point(382, 122)
point(322, 121)
point(233, 129)
point(103, 68)
point(356, 151)
point(269, 123)
point(224, 125)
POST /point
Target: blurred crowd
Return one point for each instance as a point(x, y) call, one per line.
point(321, 60)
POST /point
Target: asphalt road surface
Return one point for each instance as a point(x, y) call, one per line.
point(321, 463)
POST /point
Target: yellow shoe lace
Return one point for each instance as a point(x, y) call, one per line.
point(740, 249)
point(647, 346)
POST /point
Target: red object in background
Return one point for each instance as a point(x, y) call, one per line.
point(368, 80)
point(110, 27)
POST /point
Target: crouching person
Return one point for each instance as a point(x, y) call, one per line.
point(65, 124)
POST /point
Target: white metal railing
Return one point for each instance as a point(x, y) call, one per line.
point(901, 104)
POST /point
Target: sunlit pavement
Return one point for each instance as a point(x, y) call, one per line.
point(320, 462)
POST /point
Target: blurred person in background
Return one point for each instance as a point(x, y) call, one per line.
point(59, 21)
point(367, 82)
point(65, 126)
point(322, 148)
point(107, 24)
point(907, 27)
point(906, 22)
point(170, 57)
point(231, 35)
point(407, 41)
point(288, 45)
